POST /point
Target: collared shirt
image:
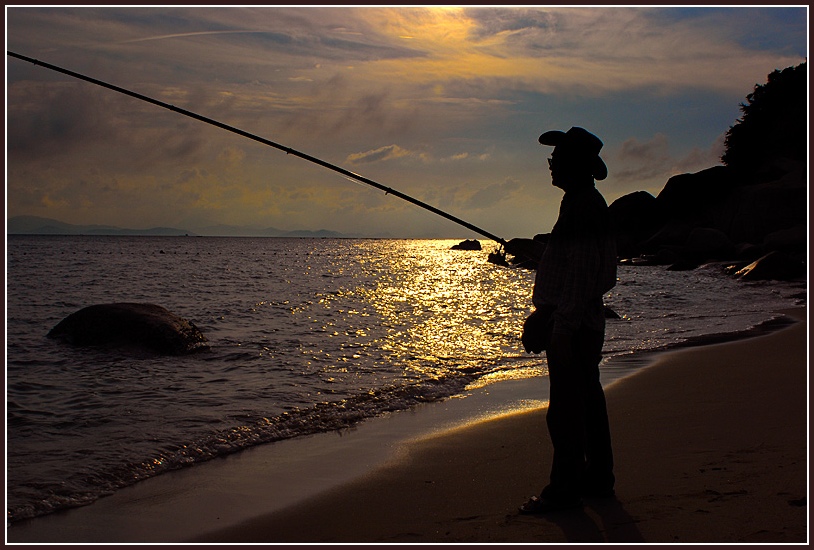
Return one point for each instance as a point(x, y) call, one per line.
point(579, 263)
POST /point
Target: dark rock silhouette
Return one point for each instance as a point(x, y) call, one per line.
point(635, 217)
point(696, 196)
point(697, 224)
point(708, 242)
point(754, 211)
point(468, 244)
point(774, 265)
point(131, 325)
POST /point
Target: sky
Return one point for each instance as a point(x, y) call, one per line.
point(444, 104)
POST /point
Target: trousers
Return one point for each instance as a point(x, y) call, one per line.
point(577, 418)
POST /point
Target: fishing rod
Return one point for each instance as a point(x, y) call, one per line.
point(288, 150)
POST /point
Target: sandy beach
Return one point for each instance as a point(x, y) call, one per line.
point(710, 445)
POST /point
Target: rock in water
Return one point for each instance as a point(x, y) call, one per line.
point(774, 265)
point(147, 326)
point(468, 244)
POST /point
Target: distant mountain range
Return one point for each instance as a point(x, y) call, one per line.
point(34, 225)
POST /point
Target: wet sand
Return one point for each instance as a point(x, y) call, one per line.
point(710, 445)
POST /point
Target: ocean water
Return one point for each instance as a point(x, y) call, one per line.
point(307, 335)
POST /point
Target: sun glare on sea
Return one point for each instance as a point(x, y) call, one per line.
point(440, 305)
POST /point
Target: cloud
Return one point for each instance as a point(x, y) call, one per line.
point(651, 162)
point(643, 160)
point(591, 51)
point(52, 118)
point(699, 158)
point(83, 124)
point(458, 156)
point(491, 195)
point(463, 156)
point(388, 152)
point(391, 152)
point(181, 35)
point(649, 151)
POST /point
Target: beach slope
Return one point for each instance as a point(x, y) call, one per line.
point(710, 445)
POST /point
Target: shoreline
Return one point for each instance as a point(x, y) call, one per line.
point(708, 451)
point(239, 498)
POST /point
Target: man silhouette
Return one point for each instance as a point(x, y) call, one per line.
point(577, 268)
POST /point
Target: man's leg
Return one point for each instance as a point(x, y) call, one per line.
point(599, 478)
point(565, 420)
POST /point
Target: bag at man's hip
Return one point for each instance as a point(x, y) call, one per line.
point(537, 329)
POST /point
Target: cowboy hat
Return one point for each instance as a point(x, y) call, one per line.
point(581, 142)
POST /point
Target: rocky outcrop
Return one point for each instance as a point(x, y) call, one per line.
point(131, 326)
point(752, 212)
point(772, 266)
point(711, 216)
point(635, 217)
point(696, 196)
point(469, 244)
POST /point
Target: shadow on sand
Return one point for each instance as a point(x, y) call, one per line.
point(600, 520)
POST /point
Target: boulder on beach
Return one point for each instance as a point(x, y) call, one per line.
point(773, 266)
point(634, 217)
point(696, 196)
point(707, 242)
point(131, 325)
point(790, 240)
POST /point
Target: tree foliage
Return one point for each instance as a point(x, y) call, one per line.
point(773, 125)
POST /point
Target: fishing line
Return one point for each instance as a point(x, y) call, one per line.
point(288, 150)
